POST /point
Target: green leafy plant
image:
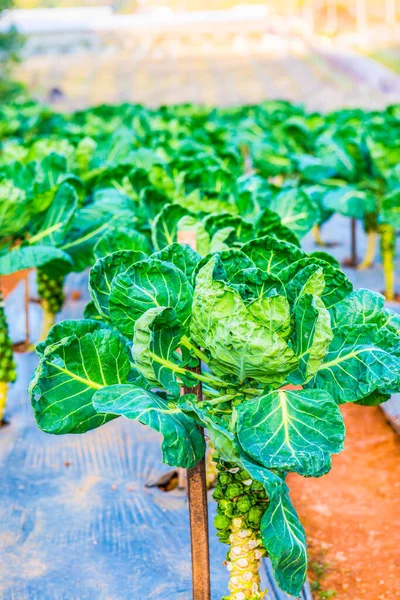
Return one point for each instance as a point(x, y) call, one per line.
point(7, 364)
point(282, 339)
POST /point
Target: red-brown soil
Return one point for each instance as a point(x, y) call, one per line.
point(9, 282)
point(352, 515)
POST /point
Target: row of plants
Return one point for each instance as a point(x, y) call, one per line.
point(345, 161)
point(277, 337)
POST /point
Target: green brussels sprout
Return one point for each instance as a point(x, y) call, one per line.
point(225, 478)
point(227, 507)
point(243, 475)
point(256, 486)
point(254, 516)
point(218, 493)
point(244, 504)
point(222, 522)
point(233, 490)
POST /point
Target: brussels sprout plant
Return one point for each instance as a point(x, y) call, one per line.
point(7, 364)
point(283, 340)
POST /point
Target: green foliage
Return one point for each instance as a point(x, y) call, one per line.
point(258, 323)
point(7, 363)
point(116, 189)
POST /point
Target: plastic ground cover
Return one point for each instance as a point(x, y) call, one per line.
point(77, 521)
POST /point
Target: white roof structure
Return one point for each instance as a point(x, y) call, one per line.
point(103, 19)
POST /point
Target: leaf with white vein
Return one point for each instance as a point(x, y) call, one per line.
point(30, 257)
point(68, 375)
point(183, 444)
point(292, 430)
point(148, 284)
point(272, 255)
point(156, 337)
point(312, 336)
point(362, 359)
point(103, 272)
point(284, 538)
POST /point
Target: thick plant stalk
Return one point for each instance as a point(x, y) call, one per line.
point(372, 237)
point(244, 563)
point(52, 299)
point(388, 250)
point(241, 504)
point(316, 230)
point(3, 398)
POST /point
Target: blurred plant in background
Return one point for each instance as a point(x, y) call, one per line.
point(11, 43)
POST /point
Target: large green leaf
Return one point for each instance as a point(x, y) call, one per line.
point(91, 223)
point(272, 255)
point(68, 375)
point(304, 276)
point(269, 223)
point(297, 210)
point(362, 359)
point(292, 430)
point(65, 329)
point(156, 337)
point(360, 307)
point(312, 336)
point(183, 444)
point(350, 202)
point(180, 255)
point(225, 230)
point(148, 284)
point(228, 265)
point(165, 225)
point(321, 255)
point(14, 214)
point(391, 321)
point(49, 228)
point(29, 257)
point(284, 538)
point(50, 172)
point(121, 238)
point(104, 271)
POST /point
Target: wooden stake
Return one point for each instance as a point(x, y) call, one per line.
point(197, 493)
point(198, 511)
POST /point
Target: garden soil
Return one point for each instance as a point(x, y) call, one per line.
point(352, 515)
